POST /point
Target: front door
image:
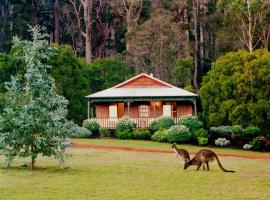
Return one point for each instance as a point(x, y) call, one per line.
point(120, 110)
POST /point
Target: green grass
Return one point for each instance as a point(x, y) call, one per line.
point(107, 174)
point(164, 146)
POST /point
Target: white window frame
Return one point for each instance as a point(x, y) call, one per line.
point(167, 110)
point(146, 109)
point(113, 111)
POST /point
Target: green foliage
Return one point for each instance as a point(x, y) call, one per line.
point(142, 134)
point(237, 130)
point(72, 81)
point(34, 119)
point(236, 90)
point(124, 134)
point(256, 143)
point(192, 122)
point(178, 134)
point(125, 123)
point(222, 130)
point(162, 122)
point(190, 88)
point(201, 133)
point(251, 131)
point(84, 133)
point(182, 74)
point(102, 73)
point(202, 141)
point(104, 132)
point(91, 125)
point(160, 135)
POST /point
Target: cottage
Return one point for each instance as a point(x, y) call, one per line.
point(143, 98)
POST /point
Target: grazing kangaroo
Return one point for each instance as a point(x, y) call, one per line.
point(203, 157)
point(181, 152)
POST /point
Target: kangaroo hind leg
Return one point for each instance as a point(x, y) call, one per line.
point(199, 165)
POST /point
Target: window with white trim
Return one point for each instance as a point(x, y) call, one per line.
point(112, 111)
point(144, 110)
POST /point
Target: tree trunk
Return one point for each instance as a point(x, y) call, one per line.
point(195, 19)
point(56, 22)
point(250, 37)
point(87, 10)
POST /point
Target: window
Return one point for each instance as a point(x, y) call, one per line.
point(144, 111)
point(112, 111)
point(167, 110)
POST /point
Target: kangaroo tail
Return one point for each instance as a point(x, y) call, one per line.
point(221, 167)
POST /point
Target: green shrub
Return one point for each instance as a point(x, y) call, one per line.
point(91, 125)
point(178, 134)
point(237, 130)
point(160, 135)
point(191, 122)
point(162, 122)
point(124, 135)
point(125, 123)
point(84, 133)
point(201, 133)
point(222, 130)
point(142, 134)
point(222, 142)
point(202, 141)
point(104, 132)
point(256, 143)
point(251, 131)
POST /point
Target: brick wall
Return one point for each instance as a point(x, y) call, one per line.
point(102, 110)
point(184, 109)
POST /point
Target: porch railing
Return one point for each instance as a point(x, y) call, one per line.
point(140, 122)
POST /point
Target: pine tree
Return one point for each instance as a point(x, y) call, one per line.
point(34, 119)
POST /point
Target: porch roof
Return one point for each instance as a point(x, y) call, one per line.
point(143, 92)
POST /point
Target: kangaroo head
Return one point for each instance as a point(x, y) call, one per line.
point(187, 163)
point(173, 145)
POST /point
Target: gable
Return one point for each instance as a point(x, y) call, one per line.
point(143, 81)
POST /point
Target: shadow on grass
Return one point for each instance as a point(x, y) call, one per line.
point(38, 169)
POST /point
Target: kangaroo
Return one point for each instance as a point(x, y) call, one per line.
point(181, 153)
point(202, 157)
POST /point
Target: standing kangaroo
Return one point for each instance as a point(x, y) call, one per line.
point(203, 157)
point(181, 152)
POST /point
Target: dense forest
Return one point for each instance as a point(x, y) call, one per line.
point(102, 42)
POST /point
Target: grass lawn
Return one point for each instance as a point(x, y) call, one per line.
point(107, 174)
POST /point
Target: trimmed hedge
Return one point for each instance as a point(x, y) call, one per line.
point(160, 135)
point(84, 133)
point(178, 134)
point(104, 132)
point(251, 131)
point(142, 134)
point(91, 125)
point(124, 135)
point(162, 122)
point(202, 141)
point(125, 123)
point(191, 122)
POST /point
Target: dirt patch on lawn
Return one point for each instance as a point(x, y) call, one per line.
point(146, 150)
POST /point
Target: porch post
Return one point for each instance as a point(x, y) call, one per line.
point(88, 109)
point(155, 113)
point(128, 104)
point(195, 107)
